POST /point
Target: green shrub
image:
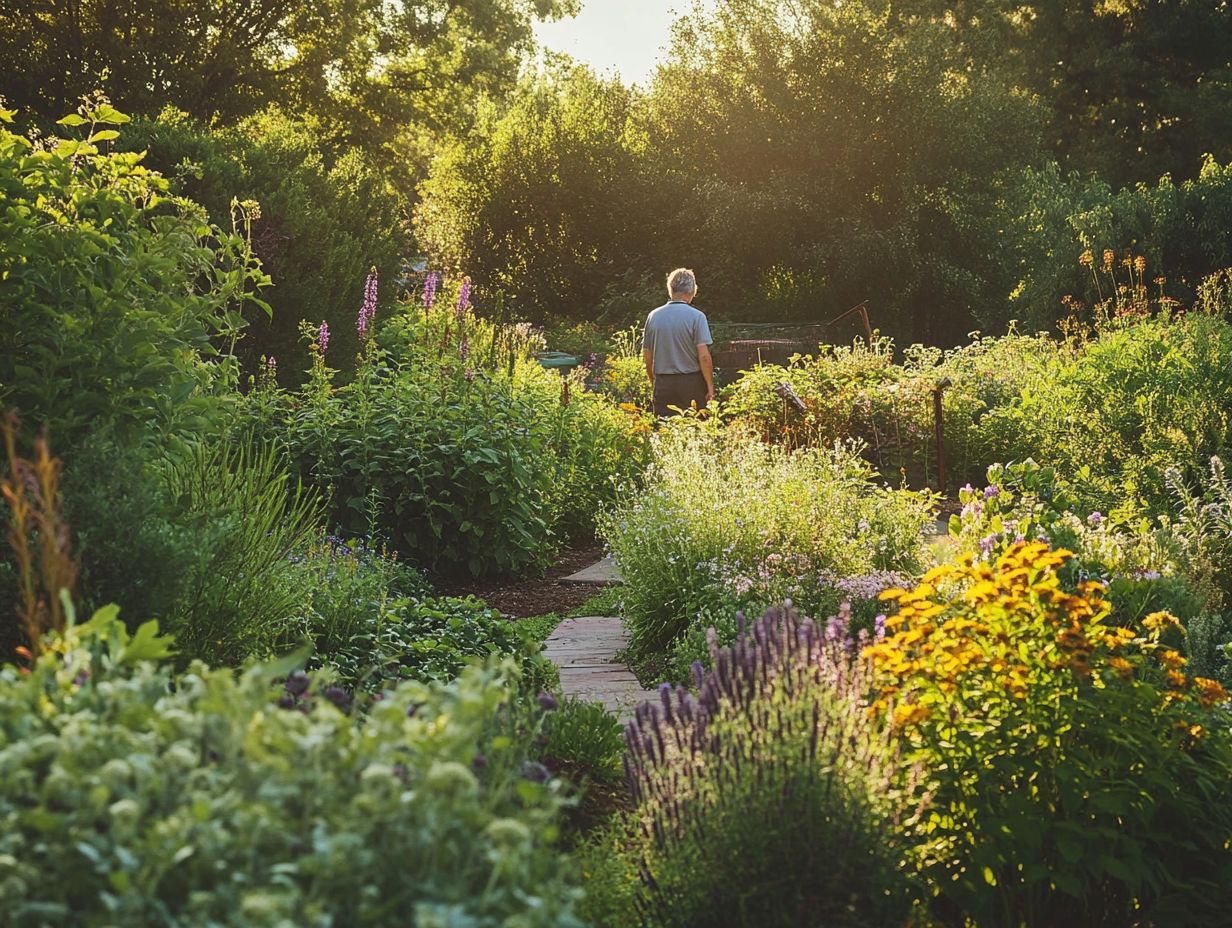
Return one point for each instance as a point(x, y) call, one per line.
point(421, 638)
point(465, 454)
point(1075, 773)
point(323, 217)
point(121, 302)
point(725, 519)
point(201, 537)
point(136, 798)
point(766, 800)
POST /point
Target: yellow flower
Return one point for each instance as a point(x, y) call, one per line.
point(908, 713)
point(1177, 679)
point(1209, 691)
point(1122, 666)
point(1171, 659)
point(1158, 621)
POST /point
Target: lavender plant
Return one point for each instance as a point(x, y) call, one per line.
point(780, 732)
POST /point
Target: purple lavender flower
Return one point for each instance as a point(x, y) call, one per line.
point(1095, 519)
point(992, 492)
point(987, 543)
point(323, 337)
point(464, 296)
point(367, 312)
point(429, 290)
point(547, 701)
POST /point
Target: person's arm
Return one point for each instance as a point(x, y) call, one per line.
point(707, 365)
point(648, 357)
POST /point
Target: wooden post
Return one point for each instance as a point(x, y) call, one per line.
point(939, 428)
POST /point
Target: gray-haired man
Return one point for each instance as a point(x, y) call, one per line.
point(676, 348)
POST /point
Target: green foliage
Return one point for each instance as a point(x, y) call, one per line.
point(585, 741)
point(385, 71)
point(121, 302)
point(724, 520)
point(324, 215)
point(1074, 773)
point(1111, 410)
point(421, 638)
point(451, 441)
point(201, 538)
point(528, 201)
point(140, 800)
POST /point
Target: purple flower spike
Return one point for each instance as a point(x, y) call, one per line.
point(992, 492)
point(271, 363)
point(323, 337)
point(879, 626)
point(367, 312)
point(464, 296)
point(429, 290)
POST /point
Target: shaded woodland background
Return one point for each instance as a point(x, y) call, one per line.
point(948, 162)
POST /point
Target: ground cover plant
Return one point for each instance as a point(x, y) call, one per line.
point(725, 522)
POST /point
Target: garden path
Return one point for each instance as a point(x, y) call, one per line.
point(585, 650)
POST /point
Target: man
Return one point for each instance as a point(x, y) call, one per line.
point(676, 349)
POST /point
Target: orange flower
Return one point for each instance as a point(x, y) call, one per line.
point(1209, 691)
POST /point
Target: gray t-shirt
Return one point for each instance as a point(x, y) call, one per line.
point(673, 332)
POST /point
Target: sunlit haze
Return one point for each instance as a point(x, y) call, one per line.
point(627, 37)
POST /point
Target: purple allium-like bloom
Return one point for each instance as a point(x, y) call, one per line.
point(323, 337)
point(338, 696)
point(297, 684)
point(547, 701)
point(536, 772)
point(286, 701)
point(1095, 519)
point(429, 289)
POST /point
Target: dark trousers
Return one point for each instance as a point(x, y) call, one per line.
point(682, 390)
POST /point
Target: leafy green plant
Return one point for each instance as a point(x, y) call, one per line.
point(122, 303)
point(139, 798)
point(585, 741)
point(724, 520)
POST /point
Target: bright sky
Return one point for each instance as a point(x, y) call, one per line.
point(628, 37)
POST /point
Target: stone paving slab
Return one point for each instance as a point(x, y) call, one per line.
point(585, 651)
point(604, 572)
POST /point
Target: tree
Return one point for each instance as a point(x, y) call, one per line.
point(542, 197)
point(380, 65)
